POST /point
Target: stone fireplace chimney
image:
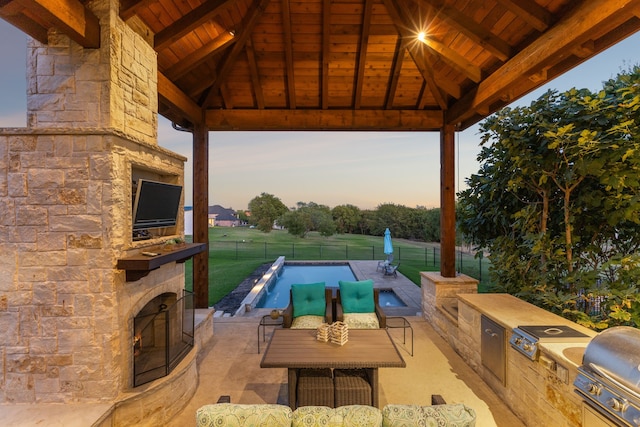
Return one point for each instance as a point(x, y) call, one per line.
point(65, 217)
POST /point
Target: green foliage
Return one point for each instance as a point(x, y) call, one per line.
point(265, 209)
point(556, 201)
point(346, 218)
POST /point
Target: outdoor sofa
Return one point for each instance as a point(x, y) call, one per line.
point(268, 415)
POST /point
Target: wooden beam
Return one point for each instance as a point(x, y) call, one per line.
point(326, 15)
point(529, 11)
point(288, 55)
point(128, 8)
point(198, 56)
point(171, 94)
point(398, 14)
point(396, 120)
point(475, 32)
point(396, 67)
point(255, 75)
point(454, 59)
point(557, 43)
point(13, 13)
point(188, 23)
point(447, 202)
point(251, 18)
point(201, 214)
point(70, 17)
point(362, 54)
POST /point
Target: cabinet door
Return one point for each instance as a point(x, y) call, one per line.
point(592, 418)
point(493, 348)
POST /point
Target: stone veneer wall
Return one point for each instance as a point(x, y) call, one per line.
point(65, 219)
point(113, 87)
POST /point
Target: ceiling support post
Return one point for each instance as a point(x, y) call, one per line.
point(447, 202)
point(201, 213)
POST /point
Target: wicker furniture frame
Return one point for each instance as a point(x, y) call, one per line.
point(297, 349)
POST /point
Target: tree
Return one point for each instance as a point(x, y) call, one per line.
point(346, 217)
point(309, 217)
point(556, 200)
point(265, 209)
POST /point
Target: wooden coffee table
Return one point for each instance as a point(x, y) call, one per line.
point(296, 349)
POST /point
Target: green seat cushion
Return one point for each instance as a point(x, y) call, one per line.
point(308, 299)
point(357, 297)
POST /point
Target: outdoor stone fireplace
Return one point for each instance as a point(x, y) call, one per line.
point(66, 310)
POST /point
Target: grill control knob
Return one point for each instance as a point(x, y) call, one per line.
point(618, 405)
point(527, 347)
point(594, 389)
point(518, 341)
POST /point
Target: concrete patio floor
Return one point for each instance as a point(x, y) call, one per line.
point(230, 365)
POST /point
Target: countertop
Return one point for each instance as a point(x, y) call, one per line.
point(511, 312)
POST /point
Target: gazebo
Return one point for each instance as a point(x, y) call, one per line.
point(99, 73)
point(402, 65)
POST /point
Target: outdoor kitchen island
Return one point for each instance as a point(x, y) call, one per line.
point(538, 387)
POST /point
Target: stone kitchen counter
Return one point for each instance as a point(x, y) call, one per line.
point(511, 312)
point(539, 391)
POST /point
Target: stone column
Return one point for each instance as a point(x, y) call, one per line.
point(110, 88)
point(440, 301)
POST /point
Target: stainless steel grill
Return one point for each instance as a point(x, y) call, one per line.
point(609, 377)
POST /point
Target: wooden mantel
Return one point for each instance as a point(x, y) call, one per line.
point(138, 266)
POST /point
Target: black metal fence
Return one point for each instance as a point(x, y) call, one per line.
point(429, 257)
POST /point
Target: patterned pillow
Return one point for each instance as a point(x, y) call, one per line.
point(453, 415)
point(239, 415)
point(361, 320)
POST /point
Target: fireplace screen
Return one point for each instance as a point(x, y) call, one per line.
point(162, 335)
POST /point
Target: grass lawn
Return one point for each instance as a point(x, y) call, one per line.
point(234, 253)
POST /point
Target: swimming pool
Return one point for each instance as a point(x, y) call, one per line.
point(276, 294)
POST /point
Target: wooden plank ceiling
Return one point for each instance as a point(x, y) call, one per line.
point(347, 64)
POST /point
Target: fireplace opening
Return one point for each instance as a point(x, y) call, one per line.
point(163, 334)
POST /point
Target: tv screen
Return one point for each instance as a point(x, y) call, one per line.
point(156, 205)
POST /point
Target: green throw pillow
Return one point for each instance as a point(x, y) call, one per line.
point(357, 297)
point(308, 299)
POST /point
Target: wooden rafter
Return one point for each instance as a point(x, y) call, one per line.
point(470, 28)
point(128, 8)
point(188, 23)
point(454, 59)
point(399, 17)
point(171, 95)
point(197, 57)
point(400, 120)
point(251, 18)
point(15, 14)
point(255, 76)
point(362, 54)
point(326, 13)
point(530, 11)
point(396, 67)
point(288, 54)
point(69, 16)
point(557, 43)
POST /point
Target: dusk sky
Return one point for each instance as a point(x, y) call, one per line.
point(330, 168)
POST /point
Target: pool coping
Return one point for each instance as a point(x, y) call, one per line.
point(405, 290)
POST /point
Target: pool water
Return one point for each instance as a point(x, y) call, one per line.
point(277, 292)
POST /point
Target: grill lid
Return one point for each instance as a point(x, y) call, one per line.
point(615, 353)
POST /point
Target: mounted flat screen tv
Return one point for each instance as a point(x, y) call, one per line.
point(155, 205)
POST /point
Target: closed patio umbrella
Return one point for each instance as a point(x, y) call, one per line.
point(388, 246)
